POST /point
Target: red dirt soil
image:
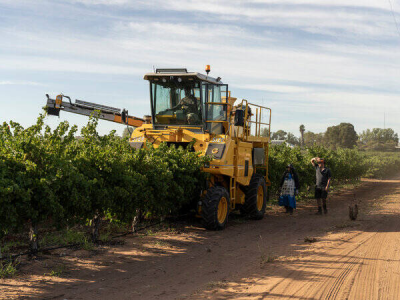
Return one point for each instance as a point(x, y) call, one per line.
point(303, 256)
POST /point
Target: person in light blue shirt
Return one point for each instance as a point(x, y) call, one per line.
point(289, 188)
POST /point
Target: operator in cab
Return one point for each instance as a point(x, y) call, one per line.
point(190, 107)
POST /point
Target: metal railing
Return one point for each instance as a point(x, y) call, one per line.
point(254, 117)
point(261, 112)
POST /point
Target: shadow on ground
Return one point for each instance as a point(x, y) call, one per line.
point(203, 264)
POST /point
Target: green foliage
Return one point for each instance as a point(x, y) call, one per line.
point(313, 139)
point(279, 135)
point(344, 136)
point(127, 132)
point(382, 165)
point(57, 272)
point(9, 246)
point(87, 245)
point(63, 237)
point(378, 139)
point(345, 164)
point(8, 269)
point(282, 135)
point(264, 132)
point(33, 162)
point(340, 136)
point(50, 176)
point(292, 139)
point(302, 129)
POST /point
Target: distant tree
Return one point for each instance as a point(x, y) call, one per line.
point(313, 139)
point(342, 135)
point(292, 139)
point(279, 135)
point(264, 132)
point(127, 132)
point(302, 130)
point(378, 139)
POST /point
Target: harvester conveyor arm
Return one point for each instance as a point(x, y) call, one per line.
point(54, 106)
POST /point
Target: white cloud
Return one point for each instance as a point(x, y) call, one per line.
point(322, 17)
point(66, 65)
point(288, 89)
point(101, 2)
point(10, 82)
point(305, 56)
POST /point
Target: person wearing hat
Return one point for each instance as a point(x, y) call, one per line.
point(289, 188)
point(323, 179)
point(189, 105)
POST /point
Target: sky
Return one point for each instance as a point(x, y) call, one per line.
point(317, 63)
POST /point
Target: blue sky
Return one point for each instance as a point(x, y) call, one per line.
point(316, 63)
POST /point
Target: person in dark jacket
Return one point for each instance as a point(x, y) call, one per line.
point(290, 187)
point(323, 177)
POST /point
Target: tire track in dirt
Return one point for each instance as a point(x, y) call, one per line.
point(364, 264)
point(328, 289)
point(341, 287)
point(359, 273)
point(390, 274)
point(379, 275)
point(307, 289)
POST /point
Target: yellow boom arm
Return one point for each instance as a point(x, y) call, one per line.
point(121, 116)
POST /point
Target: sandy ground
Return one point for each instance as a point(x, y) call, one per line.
point(303, 256)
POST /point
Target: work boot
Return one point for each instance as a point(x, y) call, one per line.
point(325, 209)
point(319, 212)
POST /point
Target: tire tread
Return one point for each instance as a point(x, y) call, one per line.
point(209, 210)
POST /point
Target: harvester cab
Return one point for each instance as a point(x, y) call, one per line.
point(188, 106)
point(180, 98)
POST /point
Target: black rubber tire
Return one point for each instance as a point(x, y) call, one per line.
point(249, 207)
point(209, 208)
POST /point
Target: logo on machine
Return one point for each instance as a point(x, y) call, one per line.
point(138, 139)
point(217, 140)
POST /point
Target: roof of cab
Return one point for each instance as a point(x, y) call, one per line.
point(199, 76)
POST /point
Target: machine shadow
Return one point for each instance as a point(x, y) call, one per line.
point(246, 253)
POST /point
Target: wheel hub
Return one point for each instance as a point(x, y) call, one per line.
point(260, 198)
point(222, 210)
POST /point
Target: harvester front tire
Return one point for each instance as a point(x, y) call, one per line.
point(256, 198)
point(215, 208)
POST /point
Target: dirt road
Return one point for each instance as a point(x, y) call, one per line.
point(303, 256)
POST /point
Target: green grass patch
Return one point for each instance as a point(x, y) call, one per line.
point(268, 258)
point(65, 237)
point(68, 237)
point(216, 284)
point(8, 269)
point(57, 272)
point(8, 247)
point(150, 233)
point(160, 243)
point(88, 245)
point(105, 237)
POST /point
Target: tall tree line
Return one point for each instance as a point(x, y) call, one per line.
point(342, 136)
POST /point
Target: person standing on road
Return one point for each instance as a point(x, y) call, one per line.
point(323, 179)
point(289, 187)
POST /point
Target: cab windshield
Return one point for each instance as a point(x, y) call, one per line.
point(176, 102)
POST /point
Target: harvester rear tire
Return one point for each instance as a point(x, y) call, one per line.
point(256, 198)
point(215, 208)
